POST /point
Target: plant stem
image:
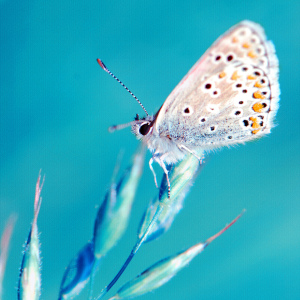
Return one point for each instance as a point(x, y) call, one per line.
point(133, 251)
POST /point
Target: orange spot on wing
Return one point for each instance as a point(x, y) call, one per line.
point(246, 45)
point(255, 131)
point(222, 75)
point(258, 95)
point(258, 85)
point(251, 54)
point(235, 76)
point(234, 40)
point(251, 77)
point(255, 124)
point(257, 107)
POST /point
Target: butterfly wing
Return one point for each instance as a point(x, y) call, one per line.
point(229, 96)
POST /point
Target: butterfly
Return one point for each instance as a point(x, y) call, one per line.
point(230, 96)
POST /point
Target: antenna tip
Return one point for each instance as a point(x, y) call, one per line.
point(101, 64)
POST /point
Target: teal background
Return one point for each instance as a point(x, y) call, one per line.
point(56, 105)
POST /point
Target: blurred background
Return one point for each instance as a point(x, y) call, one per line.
point(57, 103)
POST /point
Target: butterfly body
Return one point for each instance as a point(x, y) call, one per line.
point(230, 96)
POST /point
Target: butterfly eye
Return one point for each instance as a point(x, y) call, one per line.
point(144, 129)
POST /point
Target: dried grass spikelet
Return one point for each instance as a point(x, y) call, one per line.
point(164, 270)
point(182, 178)
point(29, 287)
point(110, 224)
point(160, 214)
point(113, 215)
point(4, 246)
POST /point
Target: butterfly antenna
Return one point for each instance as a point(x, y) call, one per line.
point(102, 65)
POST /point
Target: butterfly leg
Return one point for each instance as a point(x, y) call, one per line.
point(193, 153)
point(152, 170)
point(160, 160)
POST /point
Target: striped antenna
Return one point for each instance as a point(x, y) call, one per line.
point(102, 65)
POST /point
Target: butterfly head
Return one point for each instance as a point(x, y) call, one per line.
point(142, 128)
